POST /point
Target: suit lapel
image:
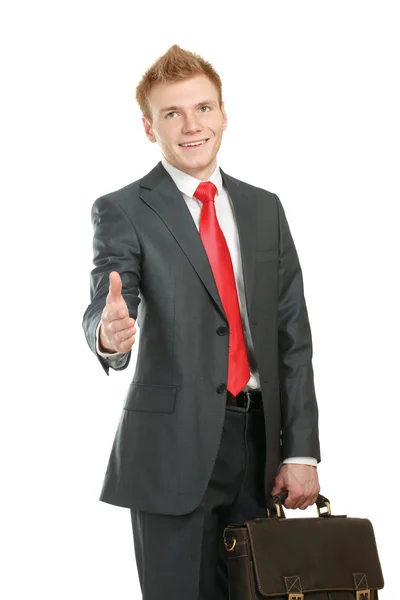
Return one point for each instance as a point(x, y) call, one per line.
point(245, 216)
point(159, 191)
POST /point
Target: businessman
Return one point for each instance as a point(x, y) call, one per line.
point(221, 411)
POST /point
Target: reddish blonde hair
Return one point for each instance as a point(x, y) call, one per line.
point(176, 64)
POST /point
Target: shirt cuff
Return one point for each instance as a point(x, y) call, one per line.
point(301, 460)
point(105, 354)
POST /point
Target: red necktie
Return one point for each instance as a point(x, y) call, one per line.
point(221, 264)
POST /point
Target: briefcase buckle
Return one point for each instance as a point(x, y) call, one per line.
point(297, 596)
point(363, 595)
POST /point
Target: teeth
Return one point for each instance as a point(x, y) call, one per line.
point(195, 143)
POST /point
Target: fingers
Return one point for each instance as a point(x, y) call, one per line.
point(296, 501)
point(118, 334)
point(301, 482)
point(118, 326)
point(120, 341)
point(302, 498)
point(292, 500)
point(125, 345)
point(119, 330)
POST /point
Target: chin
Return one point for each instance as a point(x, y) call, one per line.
point(201, 162)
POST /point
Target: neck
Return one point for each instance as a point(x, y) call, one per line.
point(203, 173)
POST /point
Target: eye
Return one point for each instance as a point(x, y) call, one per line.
point(206, 107)
point(168, 116)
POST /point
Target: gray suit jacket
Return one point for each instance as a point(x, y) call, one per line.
point(171, 423)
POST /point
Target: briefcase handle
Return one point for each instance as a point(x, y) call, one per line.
point(275, 505)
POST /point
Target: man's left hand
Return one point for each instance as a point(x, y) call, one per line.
point(300, 481)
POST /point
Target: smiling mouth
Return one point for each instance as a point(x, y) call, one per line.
point(196, 144)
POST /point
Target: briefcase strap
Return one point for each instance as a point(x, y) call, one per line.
point(274, 505)
point(360, 595)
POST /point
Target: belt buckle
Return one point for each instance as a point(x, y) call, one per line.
point(247, 395)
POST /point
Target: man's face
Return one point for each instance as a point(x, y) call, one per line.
point(184, 112)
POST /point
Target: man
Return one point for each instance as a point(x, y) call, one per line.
point(221, 411)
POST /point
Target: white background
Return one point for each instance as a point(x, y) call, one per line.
point(311, 91)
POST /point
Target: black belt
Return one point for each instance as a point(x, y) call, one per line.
point(249, 401)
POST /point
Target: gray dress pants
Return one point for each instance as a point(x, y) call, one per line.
point(182, 557)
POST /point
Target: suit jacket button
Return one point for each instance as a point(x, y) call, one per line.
point(221, 388)
point(222, 330)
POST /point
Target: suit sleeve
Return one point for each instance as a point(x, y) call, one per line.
point(115, 248)
point(300, 436)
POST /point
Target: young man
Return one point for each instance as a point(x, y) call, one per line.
point(221, 411)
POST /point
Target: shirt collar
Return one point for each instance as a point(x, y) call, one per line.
point(187, 184)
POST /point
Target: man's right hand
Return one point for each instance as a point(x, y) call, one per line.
point(117, 329)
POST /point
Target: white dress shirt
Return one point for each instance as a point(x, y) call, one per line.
point(187, 185)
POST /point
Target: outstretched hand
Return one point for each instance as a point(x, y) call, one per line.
point(301, 483)
point(117, 329)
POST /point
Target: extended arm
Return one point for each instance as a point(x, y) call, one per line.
point(115, 248)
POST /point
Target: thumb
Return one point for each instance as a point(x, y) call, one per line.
point(278, 486)
point(276, 490)
point(115, 290)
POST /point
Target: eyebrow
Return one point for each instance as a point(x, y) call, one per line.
point(173, 108)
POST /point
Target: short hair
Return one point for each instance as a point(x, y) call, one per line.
point(175, 65)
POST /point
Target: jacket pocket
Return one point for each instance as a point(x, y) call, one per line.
point(151, 398)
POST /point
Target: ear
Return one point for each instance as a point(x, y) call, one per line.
point(148, 129)
point(225, 122)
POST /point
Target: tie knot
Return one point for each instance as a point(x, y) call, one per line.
point(205, 192)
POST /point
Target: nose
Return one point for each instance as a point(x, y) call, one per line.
point(191, 124)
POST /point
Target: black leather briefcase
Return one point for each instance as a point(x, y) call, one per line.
point(322, 558)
